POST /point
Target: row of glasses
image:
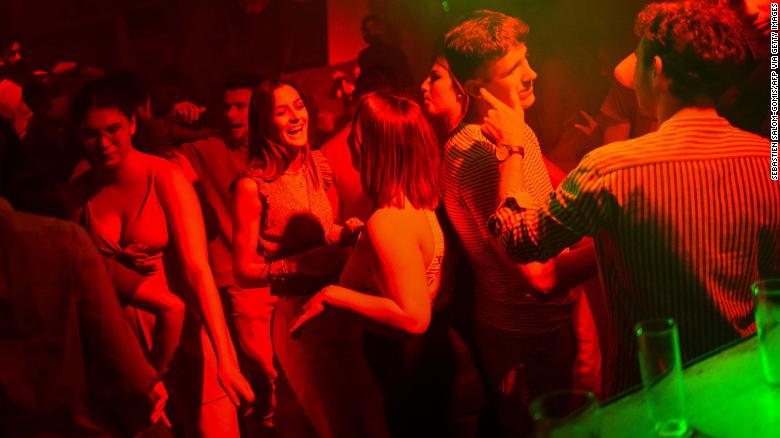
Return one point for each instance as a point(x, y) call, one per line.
point(576, 414)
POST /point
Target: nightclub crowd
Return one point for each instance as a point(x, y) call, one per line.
point(426, 271)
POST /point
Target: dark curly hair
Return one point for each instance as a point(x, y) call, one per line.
point(478, 37)
point(701, 45)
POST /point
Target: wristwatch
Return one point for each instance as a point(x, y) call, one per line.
point(503, 151)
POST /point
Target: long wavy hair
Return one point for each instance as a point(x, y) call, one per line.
point(399, 153)
point(267, 155)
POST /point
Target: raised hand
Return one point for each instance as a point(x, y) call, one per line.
point(590, 125)
point(503, 124)
point(186, 112)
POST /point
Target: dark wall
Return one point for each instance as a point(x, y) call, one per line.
point(189, 43)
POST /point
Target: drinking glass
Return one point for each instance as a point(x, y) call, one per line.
point(572, 414)
point(661, 367)
point(767, 296)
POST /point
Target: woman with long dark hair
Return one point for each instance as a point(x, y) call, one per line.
point(285, 244)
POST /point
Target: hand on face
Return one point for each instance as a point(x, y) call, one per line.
point(511, 72)
point(503, 124)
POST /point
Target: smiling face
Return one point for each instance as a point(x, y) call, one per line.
point(237, 114)
point(511, 71)
point(290, 118)
point(105, 135)
point(441, 95)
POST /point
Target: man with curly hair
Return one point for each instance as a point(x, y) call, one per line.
point(684, 218)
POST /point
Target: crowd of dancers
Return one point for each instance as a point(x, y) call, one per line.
point(426, 272)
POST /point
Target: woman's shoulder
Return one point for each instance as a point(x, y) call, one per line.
point(162, 171)
point(155, 162)
point(244, 185)
point(390, 223)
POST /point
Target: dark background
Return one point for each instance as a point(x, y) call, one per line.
point(188, 47)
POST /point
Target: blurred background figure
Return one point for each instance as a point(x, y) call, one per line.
point(71, 365)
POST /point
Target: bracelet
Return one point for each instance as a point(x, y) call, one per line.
point(280, 276)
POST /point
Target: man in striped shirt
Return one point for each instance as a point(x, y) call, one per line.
point(517, 324)
point(684, 218)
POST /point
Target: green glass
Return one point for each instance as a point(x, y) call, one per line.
point(767, 296)
point(566, 414)
point(661, 367)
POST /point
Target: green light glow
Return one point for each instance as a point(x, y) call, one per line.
point(445, 5)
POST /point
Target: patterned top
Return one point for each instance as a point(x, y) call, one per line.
point(469, 178)
point(296, 216)
point(684, 220)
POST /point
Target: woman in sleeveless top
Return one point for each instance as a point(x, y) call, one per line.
point(145, 219)
point(286, 244)
point(398, 280)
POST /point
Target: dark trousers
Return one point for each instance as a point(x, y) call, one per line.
point(430, 383)
point(519, 368)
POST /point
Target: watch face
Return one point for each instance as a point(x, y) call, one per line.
point(502, 152)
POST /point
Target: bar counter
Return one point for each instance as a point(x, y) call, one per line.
point(726, 396)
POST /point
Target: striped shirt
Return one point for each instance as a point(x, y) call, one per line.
point(684, 220)
point(469, 179)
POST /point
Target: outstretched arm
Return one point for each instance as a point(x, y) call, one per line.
point(398, 270)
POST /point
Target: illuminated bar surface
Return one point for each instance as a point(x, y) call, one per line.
point(726, 396)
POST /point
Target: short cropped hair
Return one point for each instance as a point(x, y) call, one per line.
point(480, 37)
point(399, 153)
point(701, 46)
